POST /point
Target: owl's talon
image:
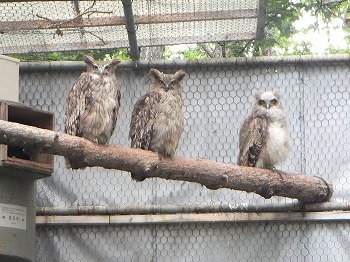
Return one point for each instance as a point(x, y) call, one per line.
point(272, 168)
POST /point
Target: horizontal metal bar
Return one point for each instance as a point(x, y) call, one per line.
point(175, 63)
point(19, 1)
point(101, 43)
point(192, 218)
point(171, 209)
point(120, 20)
point(44, 47)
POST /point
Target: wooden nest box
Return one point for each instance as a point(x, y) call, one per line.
point(34, 164)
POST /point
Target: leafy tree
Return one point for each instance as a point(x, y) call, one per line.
point(280, 16)
point(280, 19)
point(191, 53)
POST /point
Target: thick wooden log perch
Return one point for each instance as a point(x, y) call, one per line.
point(211, 174)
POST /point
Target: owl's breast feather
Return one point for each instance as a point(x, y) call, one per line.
point(277, 144)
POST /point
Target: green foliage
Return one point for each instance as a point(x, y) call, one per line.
point(280, 16)
point(191, 53)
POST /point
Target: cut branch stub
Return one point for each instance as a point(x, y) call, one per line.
point(211, 174)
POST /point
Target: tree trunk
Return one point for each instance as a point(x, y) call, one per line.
point(214, 51)
point(211, 174)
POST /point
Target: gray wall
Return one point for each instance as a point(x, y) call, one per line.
point(217, 96)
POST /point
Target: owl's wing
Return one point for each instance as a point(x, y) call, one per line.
point(252, 137)
point(116, 110)
point(143, 117)
point(79, 98)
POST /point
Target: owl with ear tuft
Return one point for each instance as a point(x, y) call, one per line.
point(264, 140)
point(157, 120)
point(93, 105)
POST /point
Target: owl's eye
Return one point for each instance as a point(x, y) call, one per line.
point(273, 101)
point(261, 102)
point(161, 82)
point(107, 67)
point(95, 67)
point(172, 83)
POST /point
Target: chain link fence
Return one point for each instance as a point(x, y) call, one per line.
point(217, 95)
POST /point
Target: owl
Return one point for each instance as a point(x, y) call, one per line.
point(157, 120)
point(93, 104)
point(264, 139)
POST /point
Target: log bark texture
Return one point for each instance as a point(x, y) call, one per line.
point(213, 175)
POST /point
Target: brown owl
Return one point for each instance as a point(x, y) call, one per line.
point(93, 104)
point(157, 120)
point(264, 140)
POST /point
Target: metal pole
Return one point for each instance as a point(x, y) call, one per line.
point(232, 62)
point(167, 209)
point(131, 29)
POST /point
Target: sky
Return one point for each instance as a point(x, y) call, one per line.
point(319, 39)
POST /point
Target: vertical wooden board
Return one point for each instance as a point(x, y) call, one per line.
point(3, 116)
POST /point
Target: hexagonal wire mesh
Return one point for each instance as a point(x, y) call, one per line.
point(216, 98)
point(43, 26)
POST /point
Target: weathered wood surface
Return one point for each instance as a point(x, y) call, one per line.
point(211, 174)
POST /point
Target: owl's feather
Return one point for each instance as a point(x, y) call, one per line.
point(250, 146)
point(143, 117)
point(78, 99)
point(93, 104)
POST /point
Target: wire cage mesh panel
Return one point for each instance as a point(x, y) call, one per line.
point(42, 26)
point(217, 96)
point(222, 242)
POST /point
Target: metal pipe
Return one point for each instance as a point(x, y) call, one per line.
point(145, 64)
point(260, 30)
point(49, 66)
point(131, 29)
point(105, 220)
point(170, 209)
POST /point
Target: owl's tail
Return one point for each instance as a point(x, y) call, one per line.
point(71, 163)
point(137, 177)
point(68, 165)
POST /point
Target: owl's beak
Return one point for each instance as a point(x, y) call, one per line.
point(267, 105)
point(167, 88)
point(101, 71)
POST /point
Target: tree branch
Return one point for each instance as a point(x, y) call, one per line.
point(87, 12)
point(211, 174)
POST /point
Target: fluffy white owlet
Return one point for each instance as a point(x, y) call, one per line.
point(157, 120)
point(264, 139)
point(93, 104)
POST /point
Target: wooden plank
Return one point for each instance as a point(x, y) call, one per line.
point(28, 165)
point(120, 20)
point(194, 218)
point(72, 220)
point(3, 116)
